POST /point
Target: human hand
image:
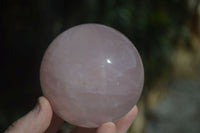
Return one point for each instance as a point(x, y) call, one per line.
point(41, 119)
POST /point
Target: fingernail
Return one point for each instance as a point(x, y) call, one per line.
point(109, 123)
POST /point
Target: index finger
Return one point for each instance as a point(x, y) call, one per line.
point(124, 123)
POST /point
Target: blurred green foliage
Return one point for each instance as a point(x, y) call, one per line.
point(28, 26)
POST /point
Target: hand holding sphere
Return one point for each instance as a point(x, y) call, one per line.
point(92, 76)
point(92, 72)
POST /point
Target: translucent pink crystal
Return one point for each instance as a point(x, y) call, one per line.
point(91, 74)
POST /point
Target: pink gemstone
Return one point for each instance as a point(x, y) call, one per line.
point(91, 74)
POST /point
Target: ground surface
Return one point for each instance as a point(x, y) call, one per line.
point(179, 111)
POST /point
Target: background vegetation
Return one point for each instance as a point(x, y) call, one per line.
point(165, 32)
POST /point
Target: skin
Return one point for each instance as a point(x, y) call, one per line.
point(42, 120)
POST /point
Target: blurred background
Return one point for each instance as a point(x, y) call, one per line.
point(165, 32)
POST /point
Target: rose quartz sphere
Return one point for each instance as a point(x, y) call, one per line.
point(91, 74)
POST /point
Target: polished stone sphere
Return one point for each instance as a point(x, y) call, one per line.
point(91, 74)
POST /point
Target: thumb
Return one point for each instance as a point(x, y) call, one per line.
point(36, 121)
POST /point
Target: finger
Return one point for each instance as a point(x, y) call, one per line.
point(55, 124)
point(83, 130)
point(108, 127)
point(124, 123)
point(36, 121)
